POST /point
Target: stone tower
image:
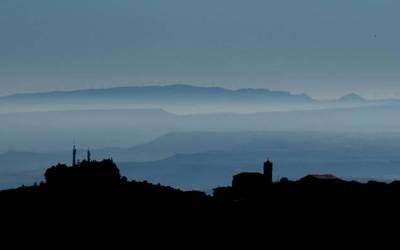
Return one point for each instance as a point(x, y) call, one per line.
point(268, 171)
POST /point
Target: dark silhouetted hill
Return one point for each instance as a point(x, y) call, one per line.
point(99, 185)
point(93, 198)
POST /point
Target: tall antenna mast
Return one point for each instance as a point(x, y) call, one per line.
point(74, 156)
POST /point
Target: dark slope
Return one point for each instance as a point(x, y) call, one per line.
point(93, 198)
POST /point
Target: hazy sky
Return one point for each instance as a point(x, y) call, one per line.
point(321, 47)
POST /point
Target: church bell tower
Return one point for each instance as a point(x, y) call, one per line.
point(268, 171)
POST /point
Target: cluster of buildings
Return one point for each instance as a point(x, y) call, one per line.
point(254, 180)
point(258, 181)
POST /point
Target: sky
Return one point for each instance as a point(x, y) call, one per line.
point(323, 48)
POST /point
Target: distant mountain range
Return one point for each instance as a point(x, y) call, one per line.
point(56, 130)
point(177, 98)
point(155, 93)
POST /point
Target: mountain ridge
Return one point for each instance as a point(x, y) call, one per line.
point(176, 88)
point(173, 87)
point(179, 99)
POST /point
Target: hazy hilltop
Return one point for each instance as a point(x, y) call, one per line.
point(352, 97)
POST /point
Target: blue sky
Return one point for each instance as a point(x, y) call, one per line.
point(320, 47)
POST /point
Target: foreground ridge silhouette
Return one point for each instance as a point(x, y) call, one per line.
point(94, 193)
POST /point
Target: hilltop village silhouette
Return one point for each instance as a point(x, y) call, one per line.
point(95, 190)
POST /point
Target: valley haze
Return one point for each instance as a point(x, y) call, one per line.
point(198, 137)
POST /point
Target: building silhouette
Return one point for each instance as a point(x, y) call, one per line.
point(253, 181)
point(268, 171)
